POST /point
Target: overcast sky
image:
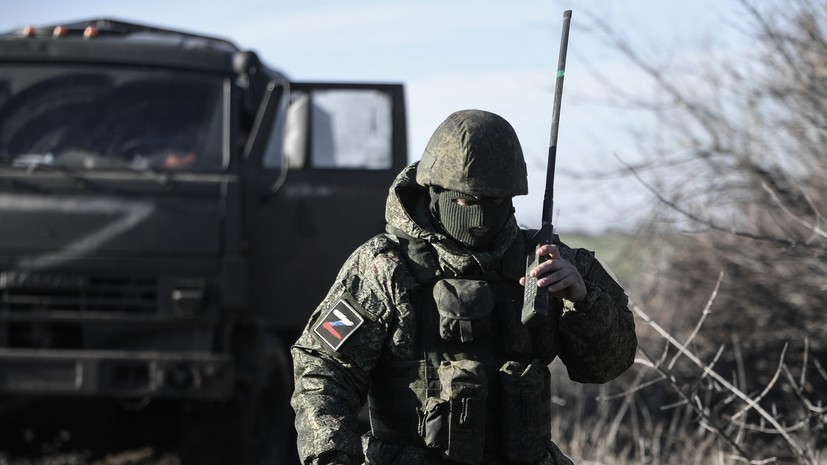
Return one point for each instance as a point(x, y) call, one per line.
point(450, 55)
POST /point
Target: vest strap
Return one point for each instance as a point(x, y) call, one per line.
point(420, 256)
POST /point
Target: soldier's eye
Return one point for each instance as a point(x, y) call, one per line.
point(467, 202)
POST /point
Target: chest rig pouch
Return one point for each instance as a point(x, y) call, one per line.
point(454, 421)
point(464, 307)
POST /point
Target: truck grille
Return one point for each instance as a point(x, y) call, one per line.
point(30, 292)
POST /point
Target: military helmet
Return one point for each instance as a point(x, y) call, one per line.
point(474, 152)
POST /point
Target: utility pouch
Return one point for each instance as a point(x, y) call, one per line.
point(464, 386)
point(526, 426)
point(465, 307)
point(434, 421)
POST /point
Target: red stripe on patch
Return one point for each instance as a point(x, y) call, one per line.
point(329, 328)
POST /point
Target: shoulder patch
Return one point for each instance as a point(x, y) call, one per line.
point(338, 324)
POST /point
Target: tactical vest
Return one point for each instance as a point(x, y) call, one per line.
point(477, 388)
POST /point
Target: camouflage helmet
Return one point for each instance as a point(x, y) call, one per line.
point(474, 152)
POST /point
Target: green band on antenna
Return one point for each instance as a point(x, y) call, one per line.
point(561, 72)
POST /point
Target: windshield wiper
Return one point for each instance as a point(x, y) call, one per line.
point(35, 161)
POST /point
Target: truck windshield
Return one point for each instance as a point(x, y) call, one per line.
point(96, 118)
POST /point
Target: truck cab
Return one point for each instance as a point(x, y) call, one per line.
point(171, 211)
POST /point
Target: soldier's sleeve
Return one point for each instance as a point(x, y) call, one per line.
point(597, 340)
point(334, 355)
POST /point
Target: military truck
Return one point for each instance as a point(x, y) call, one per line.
point(171, 211)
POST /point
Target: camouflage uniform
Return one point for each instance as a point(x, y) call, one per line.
point(378, 297)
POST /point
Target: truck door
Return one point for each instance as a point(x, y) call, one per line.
point(318, 190)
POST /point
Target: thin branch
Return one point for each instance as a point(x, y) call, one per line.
point(711, 365)
point(812, 227)
point(637, 386)
point(802, 380)
point(754, 462)
point(820, 369)
point(701, 320)
point(767, 387)
point(679, 403)
point(761, 429)
point(799, 392)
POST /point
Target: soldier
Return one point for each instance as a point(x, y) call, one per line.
point(424, 320)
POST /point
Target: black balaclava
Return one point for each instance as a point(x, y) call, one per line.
point(457, 220)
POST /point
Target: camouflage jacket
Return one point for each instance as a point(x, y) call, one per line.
point(595, 339)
